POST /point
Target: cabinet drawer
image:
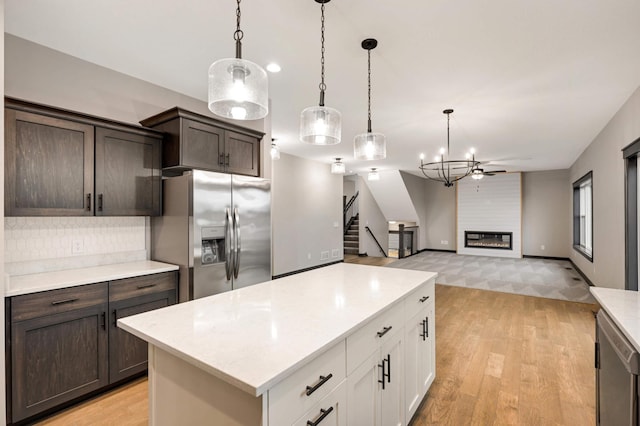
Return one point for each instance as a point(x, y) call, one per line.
point(330, 411)
point(139, 286)
point(416, 300)
point(375, 332)
point(295, 395)
point(56, 301)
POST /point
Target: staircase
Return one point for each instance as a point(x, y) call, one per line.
point(351, 238)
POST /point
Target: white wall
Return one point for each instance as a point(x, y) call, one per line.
point(491, 204)
point(392, 197)
point(546, 210)
point(604, 157)
point(416, 188)
point(371, 216)
point(306, 213)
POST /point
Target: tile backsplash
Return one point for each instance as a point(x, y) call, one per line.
point(44, 244)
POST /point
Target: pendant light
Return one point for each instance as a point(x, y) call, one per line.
point(338, 167)
point(373, 174)
point(238, 88)
point(321, 125)
point(275, 152)
point(369, 145)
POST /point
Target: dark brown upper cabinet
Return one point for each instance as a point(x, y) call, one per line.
point(48, 166)
point(62, 163)
point(194, 141)
point(128, 174)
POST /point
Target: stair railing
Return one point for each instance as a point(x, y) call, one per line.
point(350, 211)
point(376, 240)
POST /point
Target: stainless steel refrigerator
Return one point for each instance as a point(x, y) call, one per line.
point(217, 228)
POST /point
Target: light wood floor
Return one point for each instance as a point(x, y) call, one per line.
point(501, 359)
point(368, 260)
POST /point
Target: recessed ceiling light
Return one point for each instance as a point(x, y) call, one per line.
point(273, 67)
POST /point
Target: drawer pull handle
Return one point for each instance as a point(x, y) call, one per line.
point(384, 331)
point(140, 287)
point(424, 330)
point(62, 302)
point(424, 299)
point(322, 381)
point(323, 413)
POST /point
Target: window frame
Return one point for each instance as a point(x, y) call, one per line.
point(577, 217)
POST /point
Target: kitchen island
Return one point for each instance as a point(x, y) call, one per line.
point(343, 343)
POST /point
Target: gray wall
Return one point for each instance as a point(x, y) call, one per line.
point(416, 187)
point(38, 74)
point(306, 214)
point(371, 216)
point(545, 212)
point(604, 157)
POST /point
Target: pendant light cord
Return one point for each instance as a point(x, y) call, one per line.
point(322, 86)
point(369, 88)
point(238, 34)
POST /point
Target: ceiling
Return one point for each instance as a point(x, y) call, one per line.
point(532, 82)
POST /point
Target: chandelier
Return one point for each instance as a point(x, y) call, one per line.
point(444, 169)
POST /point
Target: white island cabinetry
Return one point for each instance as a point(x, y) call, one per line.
point(324, 347)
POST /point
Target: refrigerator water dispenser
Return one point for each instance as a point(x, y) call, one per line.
point(213, 245)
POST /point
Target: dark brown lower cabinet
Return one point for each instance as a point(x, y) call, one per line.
point(64, 344)
point(127, 353)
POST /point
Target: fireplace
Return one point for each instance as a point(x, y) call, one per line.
point(488, 240)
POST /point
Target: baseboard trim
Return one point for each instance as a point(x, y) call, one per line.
point(363, 254)
point(584, 277)
point(440, 250)
point(530, 256)
point(311, 268)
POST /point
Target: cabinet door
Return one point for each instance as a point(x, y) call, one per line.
point(363, 393)
point(127, 353)
point(202, 146)
point(48, 166)
point(57, 358)
point(427, 365)
point(128, 174)
point(392, 396)
point(242, 154)
point(415, 342)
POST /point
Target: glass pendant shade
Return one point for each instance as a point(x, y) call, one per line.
point(238, 89)
point(370, 146)
point(275, 152)
point(320, 125)
point(338, 168)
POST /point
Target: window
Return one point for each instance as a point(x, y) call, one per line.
point(583, 216)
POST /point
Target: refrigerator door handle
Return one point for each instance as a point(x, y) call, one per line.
point(228, 242)
point(236, 227)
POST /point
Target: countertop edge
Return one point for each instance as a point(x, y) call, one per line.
point(613, 315)
point(83, 276)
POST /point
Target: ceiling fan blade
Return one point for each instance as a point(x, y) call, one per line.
point(493, 172)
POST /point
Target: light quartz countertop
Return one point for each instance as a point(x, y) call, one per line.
point(255, 336)
point(24, 284)
point(623, 306)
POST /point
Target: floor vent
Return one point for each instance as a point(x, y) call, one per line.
point(576, 279)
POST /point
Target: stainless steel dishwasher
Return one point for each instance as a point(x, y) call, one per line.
point(617, 366)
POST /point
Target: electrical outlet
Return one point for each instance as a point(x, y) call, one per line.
point(308, 256)
point(542, 247)
point(77, 246)
point(444, 242)
point(335, 253)
point(324, 255)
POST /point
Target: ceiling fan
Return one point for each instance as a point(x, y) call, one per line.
point(479, 173)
